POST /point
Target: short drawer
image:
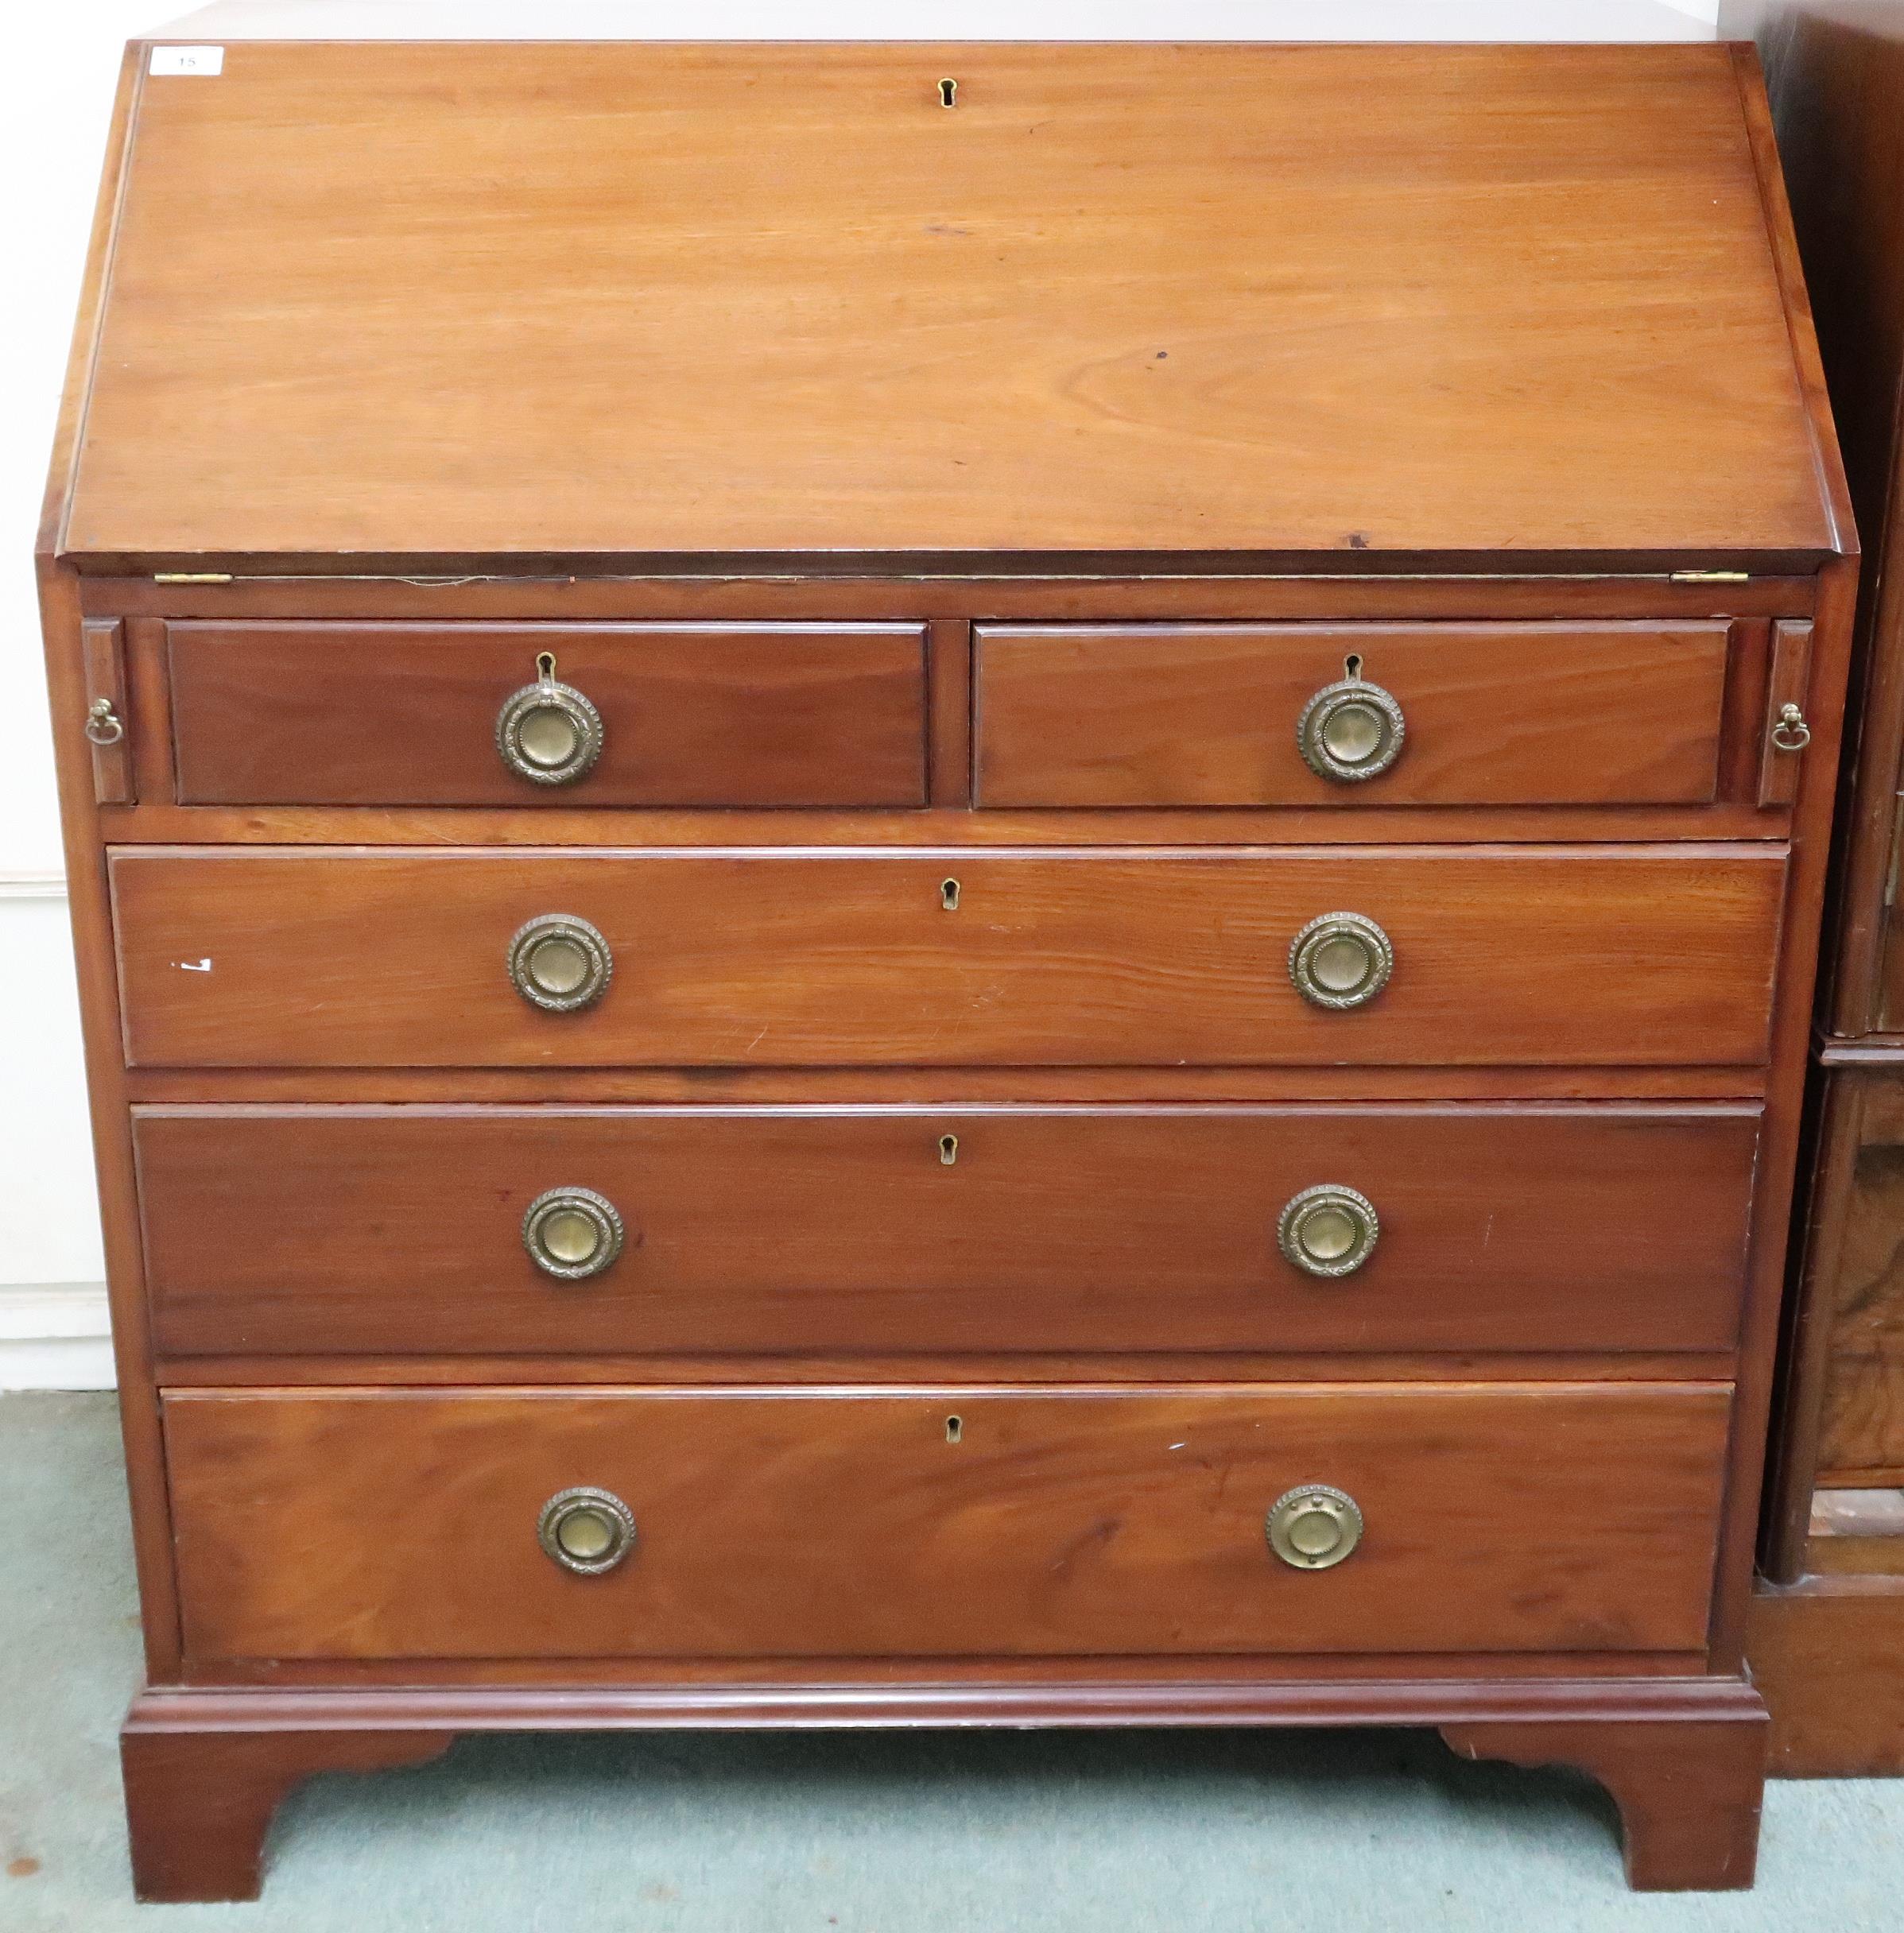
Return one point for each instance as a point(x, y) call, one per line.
point(1265, 714)
point(848, 1231)
point(602, 714)
point(953, 1521)
point(1508, 956)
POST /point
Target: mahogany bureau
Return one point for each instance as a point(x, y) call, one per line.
point(944, 885)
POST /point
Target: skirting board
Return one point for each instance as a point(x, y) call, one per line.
point(55, 1336)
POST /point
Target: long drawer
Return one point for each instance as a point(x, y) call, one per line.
point(1505, 956)
point(855, 1230)
point(1426, 715)
point(948, 1521)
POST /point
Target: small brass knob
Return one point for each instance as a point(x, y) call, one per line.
point(1349, 730)
point(559, 963)
point(571, 1233)
point(1342, 959)
point(1313, 1527)
point(549, 732)
point(103, 725)
point(586, 1530)
point(1790, 731)
point(1328, 1231)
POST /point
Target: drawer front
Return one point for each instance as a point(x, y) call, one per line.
point(1504, 956)
point(320, 714)
point(1212, 714)
point(842, 1231)
point(953, 1521)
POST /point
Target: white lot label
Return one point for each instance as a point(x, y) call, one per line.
point(188, 60)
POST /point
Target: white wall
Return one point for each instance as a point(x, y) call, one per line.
point(61, 65)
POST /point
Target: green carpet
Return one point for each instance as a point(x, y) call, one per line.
point(877, 1833)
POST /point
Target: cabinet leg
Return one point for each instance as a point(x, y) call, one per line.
point(1688, 1789)
point(199, 1801)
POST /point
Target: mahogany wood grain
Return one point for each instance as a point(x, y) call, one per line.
point(224, 1756)
point(1496, 714)
point(1858, 1283)
point(1789, 684)
point(1767, 1303)
point(1688, 1795)
point(949, 370)
point(1824, 1653)
point(934, 1087)
point(199, 1802)
point(841, 1231)
point(103, 645)
point(516, 591)
point(692, 714)
point(1613, 955)
point(1731, 819)
point(859, 1524)
point(1835, 69)
point(88, 902)
point(817, 1368)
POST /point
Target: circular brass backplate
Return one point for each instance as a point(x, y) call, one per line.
point(1341, 960)
point(1314, 1526)
point(571, 1233)
point(586, 1530)
point(1329, 1230)
point(549, 732)
point(558, 962)
point(1349, 730)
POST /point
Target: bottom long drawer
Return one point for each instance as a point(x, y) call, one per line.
point(359, 1524)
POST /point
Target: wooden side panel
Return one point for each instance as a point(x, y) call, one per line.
point(857, 1524)
point(1206, 715)
point(1558, 956)
point(844, 1231)
point(692, 714)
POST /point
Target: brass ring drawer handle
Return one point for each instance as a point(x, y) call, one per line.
point(1328, 1231)
point(103, 725)
point(1790, 731)
point(1314, 1526)
point(1341, 960)
point(571, 1233)
point(559, 963)
point(586, 1530)
point(547, 732)
point(1350, 730)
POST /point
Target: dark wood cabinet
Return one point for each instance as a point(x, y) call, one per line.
point(870, 936)
point(1829, 1625)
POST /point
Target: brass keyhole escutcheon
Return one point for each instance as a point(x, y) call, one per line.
point(559, 963)
point(949, 894)
point(948, 1149)
point(1351, 730)
point(1314, 1528)
point(1327, 1230)
point(586, 1530)
point(572, 1232)
point(547, 732)
point(1341, 960)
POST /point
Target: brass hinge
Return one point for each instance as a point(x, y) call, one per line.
point(192, 577)
point(1896, 842)
point(1709, 577)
